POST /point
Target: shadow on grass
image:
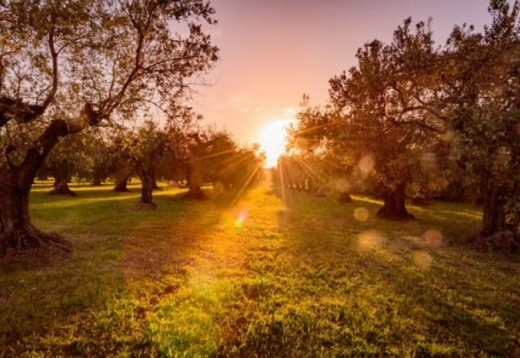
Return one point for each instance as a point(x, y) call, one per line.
point(399, 284)
point(309, 276)
point(455, 221)
point(122, 264)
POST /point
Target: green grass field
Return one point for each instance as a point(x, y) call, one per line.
point(308, 277)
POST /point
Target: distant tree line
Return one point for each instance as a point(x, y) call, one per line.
point(187, 156)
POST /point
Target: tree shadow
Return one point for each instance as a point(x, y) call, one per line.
point(122, 264)
point(445, 295)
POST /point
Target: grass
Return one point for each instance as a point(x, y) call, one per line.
point(302, 276)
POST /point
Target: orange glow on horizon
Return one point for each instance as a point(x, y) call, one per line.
point(272, 139)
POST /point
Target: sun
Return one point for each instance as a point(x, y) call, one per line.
point(272, 139)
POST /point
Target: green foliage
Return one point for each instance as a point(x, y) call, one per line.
point(71, 64)
point(483, 81)
point(376, 115)
point(428, 118)
point(71, 157)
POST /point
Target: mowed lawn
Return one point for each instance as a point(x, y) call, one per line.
point(267, 274)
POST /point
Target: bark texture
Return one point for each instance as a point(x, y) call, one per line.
point(494, 218)
point(121, 184)
point(146, 202)
point(16, 229)
point(195, 181)
point(146, 168)
point(61, 187)
point(394, 206)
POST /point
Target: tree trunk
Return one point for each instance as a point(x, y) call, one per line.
point(195, 181)
point(147, 175)
point(154, 184)
point(16, 229)
point(496, 234)
point(61, 187)
point(394, 207)
point(61, 174)
point(146, 202)
point(121, 184)
point(344, 197)
point(494, 218)
point(14, 216)
point(96, 180)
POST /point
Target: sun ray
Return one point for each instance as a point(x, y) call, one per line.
point(244, 185)
point(217, 154)
point(282, 182)
point(313, 172)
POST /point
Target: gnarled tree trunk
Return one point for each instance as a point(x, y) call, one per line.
point(195, 169)
point(494, 218)
point(121, 184)
point(96, 180)
point(195, 181)
point(154, 184)
point(16, 229)
point(147, 175)
point(497, 234)
point(394, 206)
point(146, 202)
point(61, 187)
point(61, 180)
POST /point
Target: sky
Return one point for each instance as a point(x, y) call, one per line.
point(274, 51)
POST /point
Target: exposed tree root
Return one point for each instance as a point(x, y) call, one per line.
point(62, 190)
point(17, 241)
point(121, 186)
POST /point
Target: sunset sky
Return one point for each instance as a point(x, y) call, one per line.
point(274, 51)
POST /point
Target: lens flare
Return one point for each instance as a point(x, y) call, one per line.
point(371, 240)
point(361, 214)
point(242, 216)
point(433, 238)
point(342, 185)
point(422, 259)
point(366, 164)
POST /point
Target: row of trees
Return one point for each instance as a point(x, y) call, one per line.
point(413, 117)
point(189, 156)
point(67, 65)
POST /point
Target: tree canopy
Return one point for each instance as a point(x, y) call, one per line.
point(66, 65)
point(409, 108)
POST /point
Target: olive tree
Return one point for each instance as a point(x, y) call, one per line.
point(69, 64)
point(482, 82)
point(376, 119)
